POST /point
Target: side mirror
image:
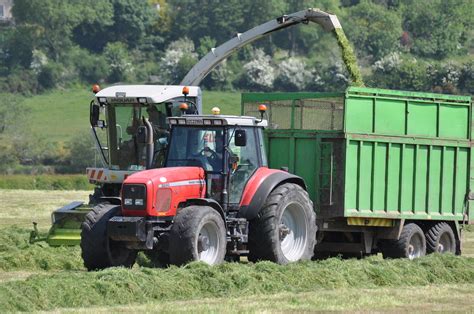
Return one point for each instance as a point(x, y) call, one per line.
point(142, 134)
point(240, 138)
point(94, 115)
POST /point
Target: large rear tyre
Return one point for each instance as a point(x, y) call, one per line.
point(198, 234)
point(411, 244)
point(440, 239)
point(98, 251)
point(285, 229)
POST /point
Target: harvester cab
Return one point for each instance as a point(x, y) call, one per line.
point(130, 130)
point(120, 118)
point(215, 198)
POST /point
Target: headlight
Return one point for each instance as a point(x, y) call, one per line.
point(134, 196)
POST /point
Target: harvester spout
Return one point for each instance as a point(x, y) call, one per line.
point(329, 22)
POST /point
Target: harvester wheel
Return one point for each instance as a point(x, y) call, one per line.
point(411, 244)
point(198, 234)
point(440, 239)
point(285, 229)
point(98, 251)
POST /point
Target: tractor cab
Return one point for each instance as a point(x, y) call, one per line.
point(229, 149)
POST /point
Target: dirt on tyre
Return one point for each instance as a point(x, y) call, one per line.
point(411, 244)
point(198, 234)
point(285, 229)
point(98, 251)
point(440, 239)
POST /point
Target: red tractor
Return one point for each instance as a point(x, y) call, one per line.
point(215, 200)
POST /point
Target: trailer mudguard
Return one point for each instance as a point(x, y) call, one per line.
point(260, 185)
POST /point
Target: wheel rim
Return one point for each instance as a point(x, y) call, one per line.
point(208, 243)
point(293, 232)
point(445, 244)
point(415, 246)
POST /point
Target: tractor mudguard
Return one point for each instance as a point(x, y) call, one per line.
point(206, 202)
point(257, 190)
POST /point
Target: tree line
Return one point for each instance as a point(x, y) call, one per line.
point(404, 44)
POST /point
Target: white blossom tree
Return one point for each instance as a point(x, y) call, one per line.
point(179, 57)
point(259, 72)
point(293, 74)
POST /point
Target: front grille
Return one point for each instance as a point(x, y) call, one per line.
point(134, 196)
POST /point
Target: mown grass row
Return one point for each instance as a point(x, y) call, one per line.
point(46, 182)
point(68, 285)
point(17, 254)
point(143, 285)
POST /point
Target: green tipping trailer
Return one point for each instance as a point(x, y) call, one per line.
point(388, 171)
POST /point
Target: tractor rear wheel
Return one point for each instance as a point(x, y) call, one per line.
point(198, 234)
point(98, 251)
point(411, 244)
point(440, 239)
point(285, 229)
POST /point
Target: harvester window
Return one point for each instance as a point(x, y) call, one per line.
point(126, 153)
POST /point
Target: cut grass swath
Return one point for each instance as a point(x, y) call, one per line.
point(141, 285)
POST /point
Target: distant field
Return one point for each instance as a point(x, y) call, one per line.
point(38, 277)
point(61, 114)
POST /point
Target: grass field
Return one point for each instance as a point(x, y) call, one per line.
point(59, 115)
point(37, 277)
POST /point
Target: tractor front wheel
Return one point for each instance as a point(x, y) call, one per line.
point(198, 234)
point(285, 229)
point(98, 251)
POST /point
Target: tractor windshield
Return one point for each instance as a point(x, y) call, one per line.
point(126, 153)
point(197, 146)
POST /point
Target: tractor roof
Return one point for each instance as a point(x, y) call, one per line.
point(209, 120)
point(153, 93)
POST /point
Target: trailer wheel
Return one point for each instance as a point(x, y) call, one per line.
point(285, 229)
point(98, 251)
point(440, 239)
point(198, 234)
point(411, 244)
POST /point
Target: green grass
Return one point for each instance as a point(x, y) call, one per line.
point(61, 114)
point(17, 254)
point(38, 277)
point(196, 281)
point(441, 298)
point(21, 207)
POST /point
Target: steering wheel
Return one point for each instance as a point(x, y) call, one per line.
point(205, 153)
point(204, 160)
